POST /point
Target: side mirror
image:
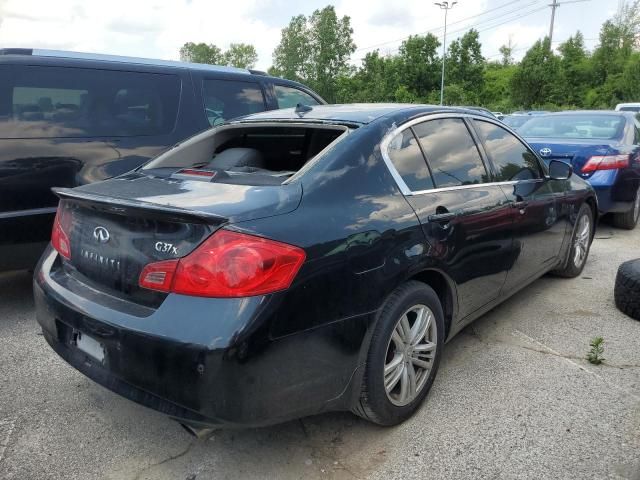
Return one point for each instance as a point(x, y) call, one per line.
point(560, 170)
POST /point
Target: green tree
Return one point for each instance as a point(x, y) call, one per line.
point(535, 82)
point(465, 64)
point(291, 56)
point(375, 81)
point(496, 91)
point(316, 50)
point(201, 53)
point(576, 72)
point(506, 52)
point(241, 55)
point(419, 64)
point(630, 79)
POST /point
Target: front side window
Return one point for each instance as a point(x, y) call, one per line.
point(227, 99)
point(511, 158)
point(289, 97)
point(53, 102)
point(408, 160)
point(451, 152)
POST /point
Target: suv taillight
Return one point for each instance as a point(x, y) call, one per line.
point(605, 162)
point(227, 264)
point(60, 232)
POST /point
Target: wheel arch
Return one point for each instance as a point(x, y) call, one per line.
point(593, 205)
point(446, 291)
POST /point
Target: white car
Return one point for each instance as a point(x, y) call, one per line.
point(628, 107)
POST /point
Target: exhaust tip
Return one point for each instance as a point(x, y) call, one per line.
point(201, 433)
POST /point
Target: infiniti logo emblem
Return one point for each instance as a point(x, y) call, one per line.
point(545, 152)
point(101, 235)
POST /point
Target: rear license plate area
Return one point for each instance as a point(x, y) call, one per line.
point(89, 345)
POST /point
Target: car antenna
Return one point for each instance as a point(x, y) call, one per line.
point(301, 109)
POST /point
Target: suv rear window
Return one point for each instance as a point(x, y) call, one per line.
point(54, 102)
point(289, 97)
point(227, 99)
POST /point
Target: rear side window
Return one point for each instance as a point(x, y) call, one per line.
point(510, 157)
point(289, 97)
point(227, 99)
point(408, 160)
point(451, 152)
point(54, 102)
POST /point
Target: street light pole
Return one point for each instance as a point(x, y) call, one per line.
point(446, 6)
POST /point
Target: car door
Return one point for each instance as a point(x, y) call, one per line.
point(464, 216)
point(539, 220)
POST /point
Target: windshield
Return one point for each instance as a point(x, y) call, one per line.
point(603, 127)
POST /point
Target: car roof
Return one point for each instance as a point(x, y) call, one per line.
point(80, 57)
point(357, 113)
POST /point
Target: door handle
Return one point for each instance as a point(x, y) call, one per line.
point(522, 205)
point(442, 217)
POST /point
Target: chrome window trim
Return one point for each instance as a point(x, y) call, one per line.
point(406, 191)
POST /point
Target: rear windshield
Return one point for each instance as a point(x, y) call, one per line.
point(242, 153)
point(603, 127)
point(516, 121)
point(54, 102)
point(630, 109)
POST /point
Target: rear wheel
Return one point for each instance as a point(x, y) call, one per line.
point(628, 220)
point(580, 244)
point(404, 355)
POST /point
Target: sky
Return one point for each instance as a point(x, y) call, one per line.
point(158, 28)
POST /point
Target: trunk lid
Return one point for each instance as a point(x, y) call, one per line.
point(575, 152)
point(120, 225)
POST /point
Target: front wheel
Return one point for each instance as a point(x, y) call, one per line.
point(628, 220)
point(580, 244)
point(404, 355)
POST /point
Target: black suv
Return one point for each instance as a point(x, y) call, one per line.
point(68, 119)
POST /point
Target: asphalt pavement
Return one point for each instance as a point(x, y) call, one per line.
point(514, 398)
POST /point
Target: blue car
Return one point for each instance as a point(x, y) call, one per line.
point(603, 147)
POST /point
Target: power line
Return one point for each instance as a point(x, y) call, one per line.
point(557, 42)
point(530, 3)
point(519, 15)
point(554, 6)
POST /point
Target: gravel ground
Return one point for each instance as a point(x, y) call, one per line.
point(514, 398)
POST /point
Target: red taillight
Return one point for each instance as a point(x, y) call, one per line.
point(227, 264)
point(60, 232)
point(158, 275)
point(605, 162)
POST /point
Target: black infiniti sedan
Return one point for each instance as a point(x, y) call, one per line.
point(305, 260)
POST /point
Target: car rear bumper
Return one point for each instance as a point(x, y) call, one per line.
point(615, 189)
point(201, 361)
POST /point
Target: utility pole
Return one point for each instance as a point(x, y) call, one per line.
point(446, 6)
point(553, 6)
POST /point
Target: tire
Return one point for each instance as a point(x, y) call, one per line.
point(627, 289)
point(580, 239)
point(628, 220)
point(418, 303)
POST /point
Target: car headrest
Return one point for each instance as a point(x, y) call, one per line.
point(238, 157)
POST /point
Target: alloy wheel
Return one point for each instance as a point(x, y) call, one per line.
point(581, 241)
point(410, 354)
